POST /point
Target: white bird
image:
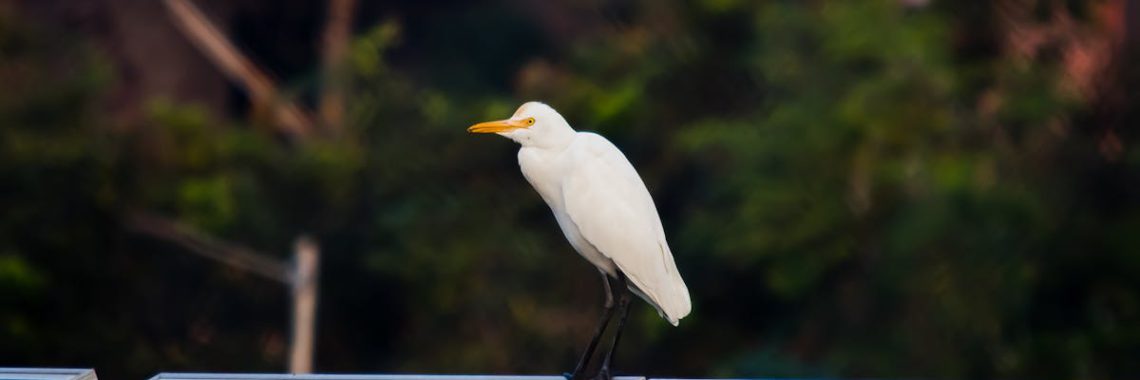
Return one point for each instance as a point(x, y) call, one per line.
point(604, 210)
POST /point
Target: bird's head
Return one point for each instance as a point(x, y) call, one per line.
point(533, 124)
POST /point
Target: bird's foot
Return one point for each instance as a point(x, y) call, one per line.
point(603, 374)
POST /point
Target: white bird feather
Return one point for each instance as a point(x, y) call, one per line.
point(600, 202)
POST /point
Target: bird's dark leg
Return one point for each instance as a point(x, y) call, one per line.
point(607, 314)
point(623, 306)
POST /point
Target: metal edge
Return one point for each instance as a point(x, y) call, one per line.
point(88, 374)
point(72, 373)
point(286, 376)
point(42, 370)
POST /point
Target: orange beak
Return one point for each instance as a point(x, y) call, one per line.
point(497, 126)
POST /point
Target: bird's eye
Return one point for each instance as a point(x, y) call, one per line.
point(530, 121)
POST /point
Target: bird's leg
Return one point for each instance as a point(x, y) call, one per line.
point(623, 305)
point(607, 314)
point(609, 290)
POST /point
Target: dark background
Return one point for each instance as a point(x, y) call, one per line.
point(906, 189)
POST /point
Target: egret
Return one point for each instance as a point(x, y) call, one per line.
point(605, 212)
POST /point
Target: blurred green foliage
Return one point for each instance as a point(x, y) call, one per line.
point(850, 188)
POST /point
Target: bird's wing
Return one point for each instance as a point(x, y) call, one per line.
point(613, 210)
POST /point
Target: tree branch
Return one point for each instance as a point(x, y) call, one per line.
point(198, 243)
point(289, 116)
point(338, 28)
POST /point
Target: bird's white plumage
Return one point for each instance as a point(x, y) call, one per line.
point(607, 201)
point(602, 206)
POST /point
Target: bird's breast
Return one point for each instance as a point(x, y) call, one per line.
point(542, 171)
point(546, 172)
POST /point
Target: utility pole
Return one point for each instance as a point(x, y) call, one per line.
point(294, 121)
point(335, 41)
point(301, 276)
point(306, 260)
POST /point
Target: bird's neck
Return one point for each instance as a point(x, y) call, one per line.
point(554, 140)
